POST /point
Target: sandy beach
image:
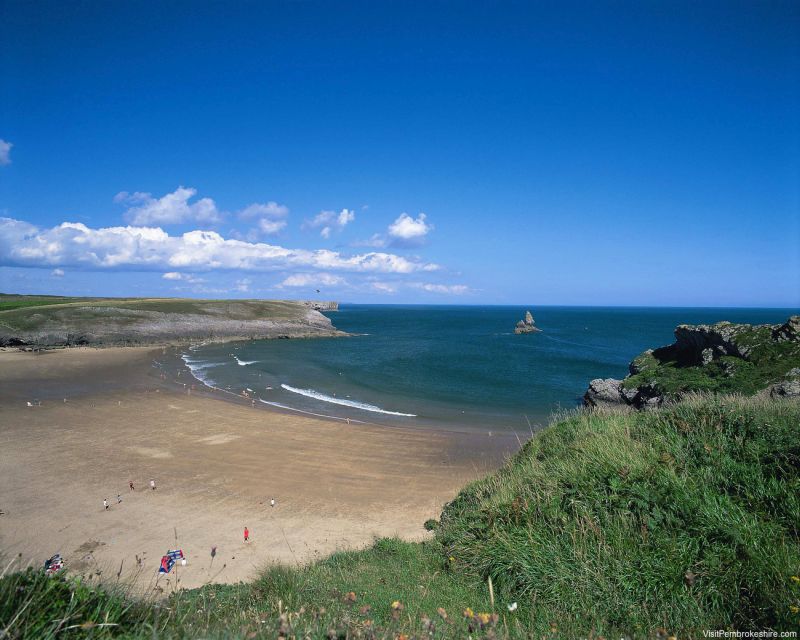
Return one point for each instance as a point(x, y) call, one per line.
point(103, 417)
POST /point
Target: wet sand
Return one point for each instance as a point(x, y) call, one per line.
point(216, 466)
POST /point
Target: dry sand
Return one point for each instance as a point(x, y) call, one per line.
point(216, 464)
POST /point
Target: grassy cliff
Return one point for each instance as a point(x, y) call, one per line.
point(719, 358)
point(44, 321)
point(639, 524)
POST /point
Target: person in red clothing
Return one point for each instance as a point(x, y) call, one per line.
point(246, 534)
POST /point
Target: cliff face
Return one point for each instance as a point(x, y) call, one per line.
point(112, 322)
point(723, 357)
point(321, 306)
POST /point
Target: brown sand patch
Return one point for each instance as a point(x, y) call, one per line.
point(219, 438)
point(336, 486)
point(151, 452)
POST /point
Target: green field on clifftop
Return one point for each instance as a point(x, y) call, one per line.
point(35, 320)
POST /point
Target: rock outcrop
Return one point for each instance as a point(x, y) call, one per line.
point(604, 392)
point(527, 325)
point(789, 387)
point(321, 306)
point(723, 357)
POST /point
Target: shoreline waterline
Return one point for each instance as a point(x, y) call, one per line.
point(459, 368)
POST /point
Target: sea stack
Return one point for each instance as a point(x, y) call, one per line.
point(527, 325)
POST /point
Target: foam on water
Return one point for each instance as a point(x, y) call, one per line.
point(244, 363)
point(196, 367)
point(310, 413)
point(316, 395)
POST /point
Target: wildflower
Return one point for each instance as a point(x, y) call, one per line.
point(468, 613)
point(794, 609)
point(402, 636)
point(553, 627)
point(512, 606)
point(795, 579)
point(442, 613)
point(397, 607)
point(364, 610)
point(351, 596)
point(484, 618)
point(452, 559)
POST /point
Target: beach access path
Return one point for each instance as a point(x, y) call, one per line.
point(216, 465)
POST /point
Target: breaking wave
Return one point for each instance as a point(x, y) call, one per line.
point(196, 367)
point(310, 393)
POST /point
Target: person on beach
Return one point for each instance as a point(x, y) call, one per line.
point(105, 504)
point(246, 534)
point(119, 498)
point(130, 484)
point(272, 502)
point(152, 484)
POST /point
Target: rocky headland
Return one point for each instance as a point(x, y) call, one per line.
point(527, 325)
point(722, 357)
point(161, 321)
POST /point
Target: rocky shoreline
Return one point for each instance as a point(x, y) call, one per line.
point(724, 357)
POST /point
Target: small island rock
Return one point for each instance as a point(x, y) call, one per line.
point(527, 325)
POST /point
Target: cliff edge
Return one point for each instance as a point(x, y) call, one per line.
point(722, 357)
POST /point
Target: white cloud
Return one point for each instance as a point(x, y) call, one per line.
point(383, 287)
point(243, 285)
point(312, 280)
point(73, 244)
point(5, 152)
point(454, 289)
point(270, 227)
point(173, 208)
point(57, 273)
point(376, 240)
point(408, 230)
point(345, 216)
point(330, 221)
point(269, 218)
point(177, 275)
point(270, 209)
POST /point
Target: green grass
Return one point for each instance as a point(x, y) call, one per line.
point(599, 519)
point(42, 313)
point(685, 518)
point(12, 301)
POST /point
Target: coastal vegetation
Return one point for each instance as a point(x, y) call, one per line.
point(45, 321)
point(719, 358)
point(606, 523)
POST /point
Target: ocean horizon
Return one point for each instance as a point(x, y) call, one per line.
point(451, 366)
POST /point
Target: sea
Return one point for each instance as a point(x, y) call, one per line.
point(451, 367)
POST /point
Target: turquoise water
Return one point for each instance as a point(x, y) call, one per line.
point(454, 366)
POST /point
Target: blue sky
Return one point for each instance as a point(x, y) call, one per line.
point(598, 153)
